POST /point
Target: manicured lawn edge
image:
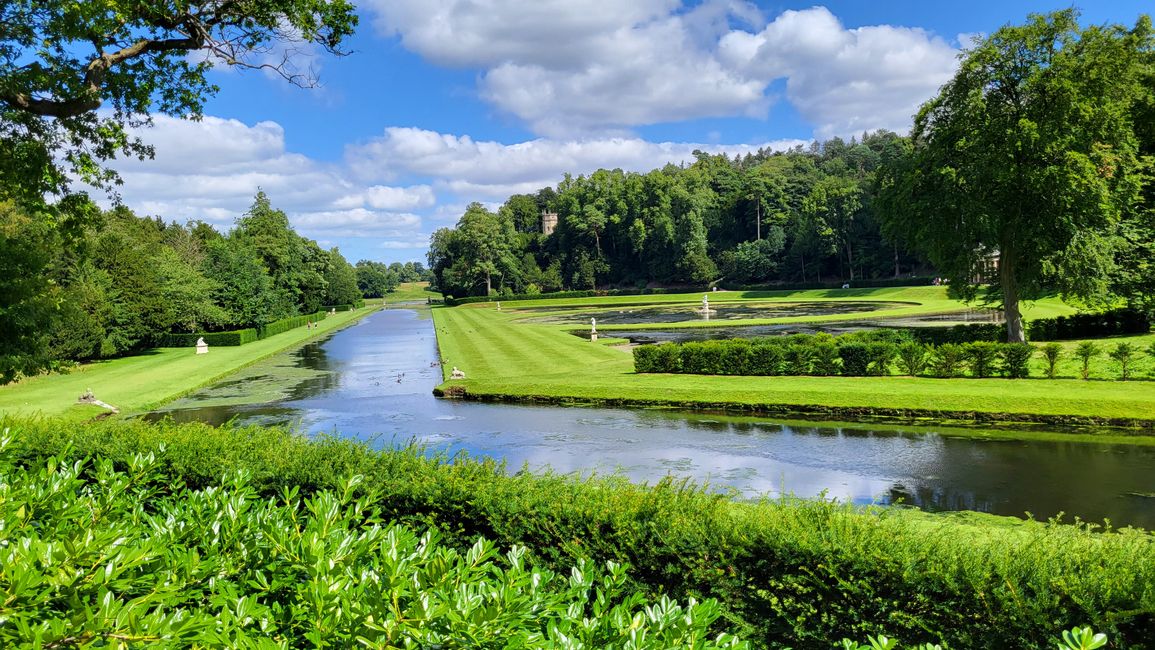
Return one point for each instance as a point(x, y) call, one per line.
point(27, 397)
point(357, 315)
point(508, 361)
point(1127, 426)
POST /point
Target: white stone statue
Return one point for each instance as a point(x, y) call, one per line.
point(593, 325)
point(202, 347)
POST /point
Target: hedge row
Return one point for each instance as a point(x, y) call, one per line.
point(787, 572)
point(347, 307)
point(1063, 328)
point(1089, 326)
point(238, 337)
point(852, 355)
point(587, 293)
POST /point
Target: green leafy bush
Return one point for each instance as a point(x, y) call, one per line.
point(824, 355)
point(1124, 354)
point(786, 572)
point(85, 564)
point(1052, 353)
point(881, 355)
point(855, 359)
point(658, 358)
point(766, 358)
point(947, 360)
point(1086, 351)
point(1016, 359)
point(912, 358)
point(981, 357)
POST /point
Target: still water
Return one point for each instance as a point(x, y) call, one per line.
point(373, 382)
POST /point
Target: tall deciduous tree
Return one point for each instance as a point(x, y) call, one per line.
point(1029, 153)
point(61, 60)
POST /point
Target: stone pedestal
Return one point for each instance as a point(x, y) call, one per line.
point(593, 337)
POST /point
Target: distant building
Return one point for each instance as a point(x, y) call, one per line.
point(548, 222)
point(987, 267)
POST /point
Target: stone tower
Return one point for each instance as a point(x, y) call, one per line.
point(548, 222)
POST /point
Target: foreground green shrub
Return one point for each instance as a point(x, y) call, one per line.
point(1086, 351)
point(86, 564)
point(1016, 359)
point(1052, 352)
point(947, 360)
point(912, 358)
point(1124, 354)
point(880, 355)
point(786, 572)
point(855, 359)
point(981, 356)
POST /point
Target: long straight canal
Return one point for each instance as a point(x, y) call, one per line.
point(374, 382)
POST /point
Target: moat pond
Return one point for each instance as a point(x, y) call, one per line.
point(373, 382)
point(720, 311)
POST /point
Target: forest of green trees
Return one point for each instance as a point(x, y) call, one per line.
point(1029, 174)
point(804, 215)
point(114, 282)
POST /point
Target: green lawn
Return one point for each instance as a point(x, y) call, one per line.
point(504, 358)
point(144, 381)
point(411, 292)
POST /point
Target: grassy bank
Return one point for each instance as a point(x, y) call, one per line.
point(145, 381)
point(510, 360)
point(787, 573)
point(411, 292)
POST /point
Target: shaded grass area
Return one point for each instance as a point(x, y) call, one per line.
point(788, 572)
point(144, 381)
point(507, 360)
point(411, 292)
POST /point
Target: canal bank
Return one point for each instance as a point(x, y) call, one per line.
point(373, 383)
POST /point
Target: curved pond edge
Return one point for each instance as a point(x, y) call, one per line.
point(1013, 425)
point(355, 318)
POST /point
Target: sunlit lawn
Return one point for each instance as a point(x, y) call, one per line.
point(144, 381)
point(501, 356)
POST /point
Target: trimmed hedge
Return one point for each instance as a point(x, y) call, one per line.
point(346, 307)
point(858, 354)
point(588, 293)
point(238, 337)
point(787, 572)
point(1089, 326)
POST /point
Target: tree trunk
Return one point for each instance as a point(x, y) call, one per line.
point(1014, 317)
point(758, 218)
point(488, 286)
point(896, 273)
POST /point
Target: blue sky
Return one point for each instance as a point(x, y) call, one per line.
point(444, 102)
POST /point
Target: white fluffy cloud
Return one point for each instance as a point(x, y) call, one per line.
point(844, 80)
point(388, 194)
point(486, 169)
point(568, 69)
point(211, 169)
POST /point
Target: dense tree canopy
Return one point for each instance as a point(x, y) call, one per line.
point(128, 280)
point(1028, 156)
point(795, 216)
point(62, 60)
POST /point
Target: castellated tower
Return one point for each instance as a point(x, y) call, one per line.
point(548, 222)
